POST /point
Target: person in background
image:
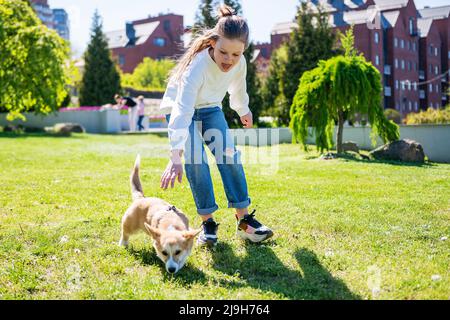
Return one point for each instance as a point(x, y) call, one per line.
point(132, 110)
point(140, 112)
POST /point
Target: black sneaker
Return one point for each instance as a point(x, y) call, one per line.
point(248, 228)
point(208, 235)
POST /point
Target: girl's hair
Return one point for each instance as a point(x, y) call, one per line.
point(229, 26)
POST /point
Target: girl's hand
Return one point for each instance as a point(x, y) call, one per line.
point(247, 120)
point(173, 170)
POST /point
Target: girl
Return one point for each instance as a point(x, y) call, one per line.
point(141, 112)
point(213, 65)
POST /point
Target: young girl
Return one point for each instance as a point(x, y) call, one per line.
point(140, 112)
point(213, 65)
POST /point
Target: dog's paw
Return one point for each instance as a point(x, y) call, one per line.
point(123, 243)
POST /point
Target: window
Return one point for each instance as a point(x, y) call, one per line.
point(411, 26)
point(409, 66)
point(377, 60)
point(431, 68)
point(430, 88)
point(159, 42)
point(416, 106)
point(437, 88)
point(414, 46)
point(409, 45)
point(410, 105)
point(396, 63)
point(121, 59)
point(449, 54)
point(415, 86)
point(396, 84)
point(377, 37)
point(431, 49)
point(396, 44)
point(403, 85)
point(166, 25)
point(402, 44)
point(436, 51)
point(409, 86)
point(436, 69)
point(403, 64)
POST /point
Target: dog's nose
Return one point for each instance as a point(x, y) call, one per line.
point(172, 269)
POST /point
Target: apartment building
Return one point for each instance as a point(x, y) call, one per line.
point(408, 46)
point(56, 19)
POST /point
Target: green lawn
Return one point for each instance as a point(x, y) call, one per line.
point(344, 229)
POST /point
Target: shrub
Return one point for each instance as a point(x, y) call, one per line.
point(394, 115)
point(431, 116)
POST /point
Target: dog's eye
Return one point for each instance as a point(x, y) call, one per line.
point(165, 253)
point(177, 252)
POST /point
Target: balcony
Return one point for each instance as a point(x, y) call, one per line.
point(422, 75)
point(422, 94)
point(387, 69)
point(387, 91)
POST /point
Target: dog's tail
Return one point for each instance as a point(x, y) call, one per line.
point(136, 187)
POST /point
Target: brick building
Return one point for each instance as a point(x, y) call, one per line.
point(155, 37)
point(408, 46)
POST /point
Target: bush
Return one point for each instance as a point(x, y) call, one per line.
point(394, 115)
point(431, 116)
point(149, 75)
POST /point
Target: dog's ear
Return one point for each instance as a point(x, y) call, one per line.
point(154, 232)
point(192, 233)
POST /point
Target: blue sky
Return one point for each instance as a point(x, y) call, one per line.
point(262, 15)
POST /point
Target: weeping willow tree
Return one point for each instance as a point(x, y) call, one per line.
point(339, 87)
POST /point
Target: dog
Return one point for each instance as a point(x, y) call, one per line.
point(167, 225)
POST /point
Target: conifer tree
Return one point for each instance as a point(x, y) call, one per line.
point(313, 40)
point(101, 79)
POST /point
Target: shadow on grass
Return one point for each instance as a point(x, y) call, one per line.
point(19, 135)
point(353, 157)
point(186, 275)
point(261, 269)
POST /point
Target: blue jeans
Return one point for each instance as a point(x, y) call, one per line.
point(209, 126)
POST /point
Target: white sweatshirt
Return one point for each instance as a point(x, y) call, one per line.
point(203, 85)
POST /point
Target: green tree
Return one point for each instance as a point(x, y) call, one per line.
point(101, 79)
point(33, 71)
point(313, 40)
point(343, 84)
point(272, 93)
point(149, 75)
point(205, 16)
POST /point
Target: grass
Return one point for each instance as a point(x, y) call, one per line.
point(344, 229)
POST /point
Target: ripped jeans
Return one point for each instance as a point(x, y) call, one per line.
point(209, 126)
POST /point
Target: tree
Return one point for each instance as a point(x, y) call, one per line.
point(101, 79)
point(149, 75)
point(33, 71)
point(311, 42)
point(343, 84)
point(274, 102)
point(204, 18)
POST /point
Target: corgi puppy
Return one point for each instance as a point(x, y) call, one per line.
point(164, 223)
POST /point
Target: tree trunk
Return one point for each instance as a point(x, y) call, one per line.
point(340, 132)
